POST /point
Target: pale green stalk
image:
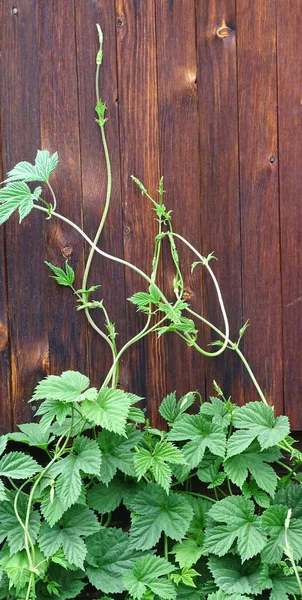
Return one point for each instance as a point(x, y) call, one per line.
point(289, 551)
point(149, 280)
point(220, 299)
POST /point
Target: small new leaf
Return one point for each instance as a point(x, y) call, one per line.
point(62, 277)
point(139, 184)
point(148, 573)
point(40, 171)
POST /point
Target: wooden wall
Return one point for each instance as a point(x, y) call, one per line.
point(206, 92)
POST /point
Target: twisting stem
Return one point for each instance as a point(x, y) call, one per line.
point(149, 280)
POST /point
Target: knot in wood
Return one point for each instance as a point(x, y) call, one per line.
point(223, 31)
point(67, 251)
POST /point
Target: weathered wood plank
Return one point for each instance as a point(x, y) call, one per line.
point(257, 86)
point(21, 138)
point(289, 51)
point(60, 132)
point(5, 406)
point(179, 161)
point(94, 177)
point(136, 56)
point(220, 209)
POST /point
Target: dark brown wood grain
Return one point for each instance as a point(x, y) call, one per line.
point(5, 405)
point(205, 93)
point(137, 89)
point(24, 244)
point(94, 177)
point(60, 132)
point(220, 208)
point(180, 165)
point(289, 22)
point(257, 89)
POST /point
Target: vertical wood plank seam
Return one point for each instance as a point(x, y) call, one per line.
point(202, 326)
point(5, 284)
point(239, 183)
point(88, 362)
point(279, 216)
point(159, 157)
point(120, 174)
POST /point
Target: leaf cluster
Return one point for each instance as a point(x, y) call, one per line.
point(196, 510)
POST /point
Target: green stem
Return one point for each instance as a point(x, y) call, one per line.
point(198, 495)
point(149, 280)
point(289, 550)
point(251, 374)
point(31, 557)
point(219, 295)
point(166, 547)
point(54, 206)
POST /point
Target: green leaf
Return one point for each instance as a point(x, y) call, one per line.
point(85, 457)
point(3, 443)
point(78, 521)
point(142, 301)
point(232, 577)
point(200, 509)
point(41, 171)
point(148, 574)
point(240, 522)
point(3, 495)
point(62, 277)
point(258, 418)
point(202, 433)
point(110, 410)
point(291, 497)
point(10, 527)
point(23, 171)
point(27, 205)
point(51, 508)
point(18, 465)
point(222, 596)
point(105, 499)
point(118, 452)
point(209, 471)
point(67, 387)
point(136, 415)
point(186, 552)
point(31, 434)
point(45, 164)
point(164, 452)
point(69, 581)
point(17, 569)
point(54, 409)
point(156, 512)
point(218, 410)
point(16, 195)
point(109, 558)
point(273, 524)
point(254, 461)
point(283, 586)
point(171, 409)
point(251, 490)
